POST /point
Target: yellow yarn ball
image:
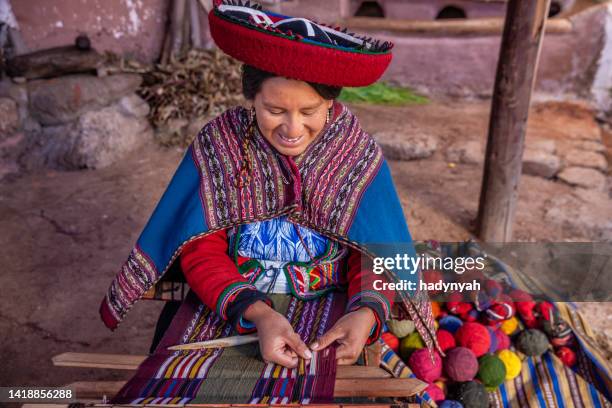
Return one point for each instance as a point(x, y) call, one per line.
point(512, 362)
point(409, 344)
point(509, 326)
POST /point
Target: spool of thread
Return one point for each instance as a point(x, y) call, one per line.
point(409, 344)
point(450, 323)
point(532, 342)
point(470, 394)
point(460, 364)
point(391, 340)
point(510, 326)
point(567, 356)
point(401, 328)
point(491, 371)
point(424, 366)
point(474, 336)
point(435, 393)
point(512, 362)
point(446, 340)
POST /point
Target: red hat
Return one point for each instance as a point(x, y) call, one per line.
point(296, 47)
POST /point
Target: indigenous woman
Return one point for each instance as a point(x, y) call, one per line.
point(271, 217)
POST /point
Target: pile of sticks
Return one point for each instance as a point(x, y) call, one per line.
point(200, 83)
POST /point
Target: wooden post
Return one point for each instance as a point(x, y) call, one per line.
point(518, 61)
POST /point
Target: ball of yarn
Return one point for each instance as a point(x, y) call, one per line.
point(401, 328)
point(470, 394)
point(435, 309)
point(450, 404)
point(503, 341)
point(460, 364)
point(450, 323)
point(474, 336)
point(509, 326)
point(493, 346)
point(435, 392)
point(512, 362)
point(445, 339)
point(424, 367)
point(409, 344)
point(491, 371)
point(532, 342)
point(567, 356)
point(391, 340)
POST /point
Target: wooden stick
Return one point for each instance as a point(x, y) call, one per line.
point(355, 387)
point(516, 71)
point(131, 362)
point(476, 26)
point(224, 342)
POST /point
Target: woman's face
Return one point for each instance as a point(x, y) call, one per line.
point(290, 114)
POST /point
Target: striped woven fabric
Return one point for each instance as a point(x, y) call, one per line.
point(236, 375)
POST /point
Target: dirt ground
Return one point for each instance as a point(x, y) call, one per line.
point(64, 235)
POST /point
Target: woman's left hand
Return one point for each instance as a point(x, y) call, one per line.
point(351, 331)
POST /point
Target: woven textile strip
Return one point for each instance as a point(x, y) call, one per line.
point(236, 374)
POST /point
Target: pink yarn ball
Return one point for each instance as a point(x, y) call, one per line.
point(503, 341)
point(460, 364)
point(435, 393)
point(424, 367)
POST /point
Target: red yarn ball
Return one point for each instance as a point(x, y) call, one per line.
point(445, 339)
point(460, 364)
point(424, 367)
point(435, 393)
point(391, 340)
point(503, 341)
point(474, 336)
point(566, 355)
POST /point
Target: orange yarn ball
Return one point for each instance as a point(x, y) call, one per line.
point(435, 309)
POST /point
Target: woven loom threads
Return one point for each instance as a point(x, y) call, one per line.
point(460, 364)
point(470, 394)
point(491, 371)
point(532, 342)
point(512, 362)
point(474, 336)
point(424, 367)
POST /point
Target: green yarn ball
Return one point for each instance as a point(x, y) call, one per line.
point(532, 342)
point(491, 371)
point(409, 344)
point(401, 328)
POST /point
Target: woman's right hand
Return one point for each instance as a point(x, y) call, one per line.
point(278, 342)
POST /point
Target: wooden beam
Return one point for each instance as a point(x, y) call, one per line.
point(475, 26)
point(355, 387)
point(516, 69)
point(131, 362)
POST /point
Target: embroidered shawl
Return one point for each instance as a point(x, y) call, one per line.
point(340, 187)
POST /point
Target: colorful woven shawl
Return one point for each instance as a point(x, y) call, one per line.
point(340, 187)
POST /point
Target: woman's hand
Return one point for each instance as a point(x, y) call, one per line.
point(278, 342)
point(351, 331)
